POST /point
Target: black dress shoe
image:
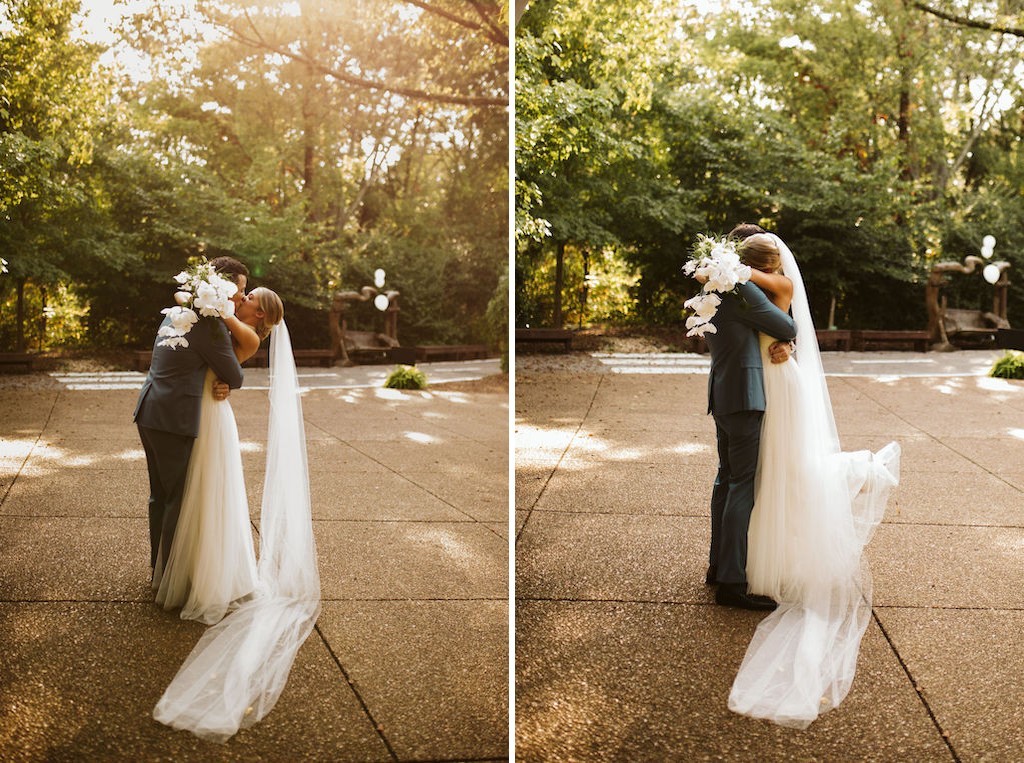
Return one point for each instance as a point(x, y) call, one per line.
point(735, 595)
point(712, 577)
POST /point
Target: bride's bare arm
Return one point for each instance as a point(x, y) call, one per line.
point(778, 287)
point(246, 340)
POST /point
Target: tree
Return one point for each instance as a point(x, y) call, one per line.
point(586, 78)
point(874, 137)
point(413, 144)
point(314, 142)
point(51, 99)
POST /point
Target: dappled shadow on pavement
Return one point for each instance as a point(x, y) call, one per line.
point(410, 502)
point(621, 652)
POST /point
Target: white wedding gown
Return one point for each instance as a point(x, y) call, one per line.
point(815, 508)
point(212, 564)
point(237, 670)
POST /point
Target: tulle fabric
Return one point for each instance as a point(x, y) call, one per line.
point(236, 672)
point(815, 508)
point(211, 564)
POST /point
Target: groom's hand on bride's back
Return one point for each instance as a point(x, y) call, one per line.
point(779, 352)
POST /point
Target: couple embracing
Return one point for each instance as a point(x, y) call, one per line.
point(201, 548)
point(790, 511)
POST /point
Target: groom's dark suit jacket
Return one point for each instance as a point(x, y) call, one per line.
point(170, 397)
point(736, 381)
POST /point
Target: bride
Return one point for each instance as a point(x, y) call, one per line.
point(815, 508)
point(237, 670)
point(211, 565)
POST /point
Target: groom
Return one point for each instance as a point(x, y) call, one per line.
point(167, 412)
point(736, 400)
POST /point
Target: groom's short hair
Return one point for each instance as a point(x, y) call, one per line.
point(230, 267)
point(745, 230)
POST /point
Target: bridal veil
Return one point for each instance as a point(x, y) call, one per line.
point(236, 672)
point(802, 657)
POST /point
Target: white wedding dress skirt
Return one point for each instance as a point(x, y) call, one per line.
point(238, 669)
point(212, 564)
point(815, 509)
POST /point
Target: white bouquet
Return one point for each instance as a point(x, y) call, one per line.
point(199, 289)
point(717, 264)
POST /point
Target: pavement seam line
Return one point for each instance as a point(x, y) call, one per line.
point(454, 760)
point(660, 514)
point(874, 614)
point(499, 600)
point(28, 455)
point(677, 602)
point(934, 439)
point(645, 602)
point(943, 735)
point(377, 728)
point(426, 490)
point(590, 407)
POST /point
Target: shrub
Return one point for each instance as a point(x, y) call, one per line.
point(406, 377)
point(1010, 366)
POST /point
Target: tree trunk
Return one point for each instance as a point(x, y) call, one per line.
point(308, 150)
point(412, 144)
point(585, 291)
point(308, 158)
point(42, 319)
point(559, 278)
point(20, 340)
point(904, 119)
point(905, 57)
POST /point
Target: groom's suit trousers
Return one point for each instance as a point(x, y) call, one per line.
point(732, 499)
point(167, 456)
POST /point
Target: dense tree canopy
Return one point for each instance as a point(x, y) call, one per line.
point(876, 137)
point(316, 142)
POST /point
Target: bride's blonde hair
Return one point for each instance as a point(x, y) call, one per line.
point(759, 251)
point(272, 307)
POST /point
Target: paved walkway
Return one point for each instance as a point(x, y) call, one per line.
point(621, 652)
point(353, 377)
point(409, 660)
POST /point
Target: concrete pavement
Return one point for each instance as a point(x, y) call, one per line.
point(621, 653)
point(409, 660)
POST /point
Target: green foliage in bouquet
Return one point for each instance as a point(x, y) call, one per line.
point(406, 377)
point(1010, 366)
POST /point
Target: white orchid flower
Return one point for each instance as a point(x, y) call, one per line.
point(201, 292)
point(182, 319)
point(717, 264)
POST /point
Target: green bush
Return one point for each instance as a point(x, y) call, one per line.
point(497, 318)
point(406, 377)
point(1010, 366)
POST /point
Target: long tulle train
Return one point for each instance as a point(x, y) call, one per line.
point(803, 656)
point(236, 672)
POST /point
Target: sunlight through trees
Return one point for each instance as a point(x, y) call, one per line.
point(316, 142)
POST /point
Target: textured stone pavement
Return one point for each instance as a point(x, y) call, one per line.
point(621, 653)
point(409, 660)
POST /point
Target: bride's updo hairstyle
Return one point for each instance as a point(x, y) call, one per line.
point(272, 307)
point(760, 252)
